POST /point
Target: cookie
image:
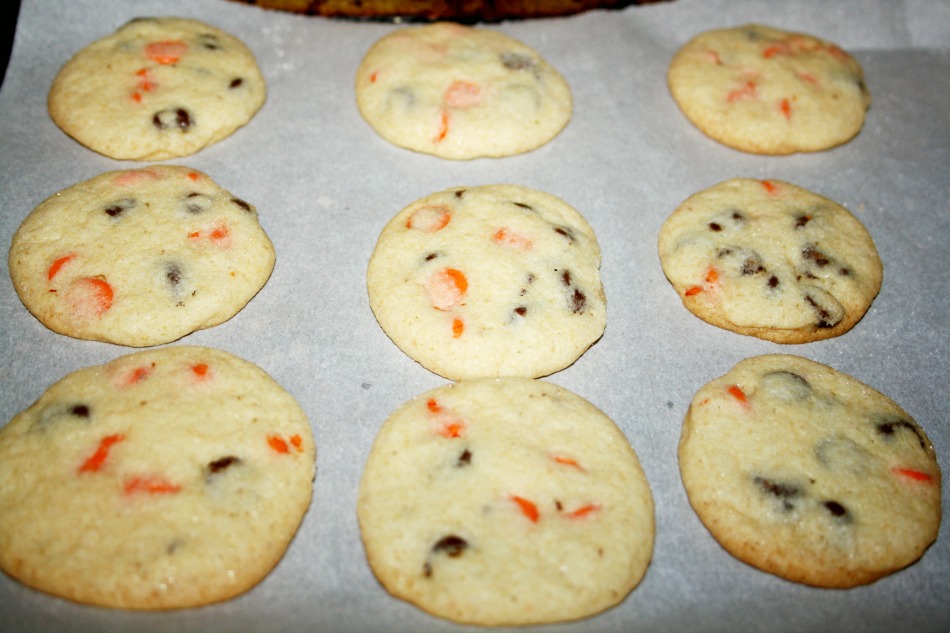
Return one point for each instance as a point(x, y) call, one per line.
point(497, 280)
point(460, 92)
point(505, 501)
point(769, 259)
point(763, 90)
point(140, 257)
point(806, 473)
point(157, 88)
point(470, 11)
point(163, 479)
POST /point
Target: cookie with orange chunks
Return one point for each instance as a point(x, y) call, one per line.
point(461, 92)
point(506, 501)
point(140, 257)
point(497, 280)
point(163, 479)
point(804, 472)
point(769, 259)
point(766, 91)
point(157, 88)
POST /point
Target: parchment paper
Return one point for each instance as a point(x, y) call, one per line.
point(325, 184)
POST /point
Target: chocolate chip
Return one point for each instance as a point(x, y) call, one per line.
point(566, 232)
point(752, 265)
point(241, 204)
point(235, 83)
point(576, 299)
point(888, 427)
point(460, 193)
point(779, 490)
point(119, 207)
point(836, 509)
point(784, 492)
point(527, 282)
point(773, 281)
point(195, 203)
point(715, 227)
point(173, 274)
point(786, 385)
point(737, 216)
point(517, 61)
point(790, 376)
point(402, 98)
point(802, 220)
point(79, 410)
point(724, 252)
point(521, 310)
point(752, 34)
point(813, 255)
point(57, 414)
point(824, 317)
point(209, 41)
point(465, 458)
point(223, 463)
point(842, 455)
point(450, 545)
point(523, 205)
point(172, 118)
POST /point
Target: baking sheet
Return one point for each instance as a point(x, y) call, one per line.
point(325, 184)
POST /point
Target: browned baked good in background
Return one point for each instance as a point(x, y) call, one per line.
point(458, 10)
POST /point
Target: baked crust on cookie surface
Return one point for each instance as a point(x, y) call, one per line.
point(505, 502)
point(461, 92)
point(496, 280)
point(157, 88)
point(769, 259)
point(140, 257)
point(456, 10)
point(804, 472)
point(163, 479)
point(767, 91)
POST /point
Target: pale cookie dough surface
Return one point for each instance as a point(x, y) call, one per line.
point(769, 259)
point(806, 473)
point(157, 88)
point(497, 280)
point(460, 92)
point(767, 91)
point(505, 502)
point(140, 257)
point(163, 479)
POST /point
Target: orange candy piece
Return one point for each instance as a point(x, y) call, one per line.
point(446, 288)
point(95, 461)
point(58, 265)
point(90, 296)
point(527, 508)
point(506, 237)
point(450, 425)
point(462, 94)
point(165, 52)
point(430, 218)
point(150, 485)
